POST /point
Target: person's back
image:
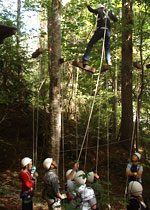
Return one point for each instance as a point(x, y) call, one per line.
point(88, 198)
point(51, 191)
point(136, 201)
point(104, 16)
point(50, 183)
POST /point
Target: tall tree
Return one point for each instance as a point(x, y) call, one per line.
point(18, 22)
point(54, 69)
point(126, 71)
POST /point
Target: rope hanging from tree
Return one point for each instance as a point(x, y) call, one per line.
point(96, 89)
point(136, 123)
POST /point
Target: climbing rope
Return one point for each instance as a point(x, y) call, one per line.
point(35, 134)
point(62, 128)
point(98, 140)
point(132, 140)
point(33, 139)
point(107, 125)
point(96, 89)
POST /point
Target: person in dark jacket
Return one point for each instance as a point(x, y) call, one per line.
point(134, 169)
point(136, 200)
point(51, 185)
point(103, 28)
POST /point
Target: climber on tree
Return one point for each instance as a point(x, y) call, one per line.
point(103, 23)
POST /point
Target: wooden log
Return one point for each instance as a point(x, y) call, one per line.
point(86, 68)
point(6, 31)
point(148, 66)
point(37, 52)
point(137, 65)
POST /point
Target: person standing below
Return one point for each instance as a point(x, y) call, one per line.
point(51, 185)
point(72, 188)
point(103, 31)
point(134, 169)
point(136, 200)
point(86, 194)
point(26, 176)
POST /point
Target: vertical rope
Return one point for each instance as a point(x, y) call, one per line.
point(76, 117)
point(132, 141)
point(62, 131)
point(107, 128)
point(98, 139)
point(37, 129)
point(87, 140)
point(96, 89)
point(85, 158)
point(97, 83)
point(33, 126)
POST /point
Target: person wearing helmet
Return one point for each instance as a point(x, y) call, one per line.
point(72, 188)
point(93, 181)
point(103, 28)
point(136, 200)
point(51, 191)
point(92, 177)
point(27, 183)
point(134, 169)
point(86, 194)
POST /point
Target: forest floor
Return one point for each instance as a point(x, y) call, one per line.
point(16, 143)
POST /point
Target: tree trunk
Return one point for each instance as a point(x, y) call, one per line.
point(18, 23)
point(126, 72)
point(54, 70)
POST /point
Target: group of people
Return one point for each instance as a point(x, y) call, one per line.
point(79, 194)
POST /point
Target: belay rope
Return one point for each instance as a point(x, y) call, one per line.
point(96, 89)
point(91, 111)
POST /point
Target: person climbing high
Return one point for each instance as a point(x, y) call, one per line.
point(134, 169)
point(51, 191)
point(103, 24)
point(136, 200)
point(26, 177)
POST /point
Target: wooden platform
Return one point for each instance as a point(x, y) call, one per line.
point(105, 68)
point(6, 31)
point(86, 68)
point(148, 66)
point(137, 65)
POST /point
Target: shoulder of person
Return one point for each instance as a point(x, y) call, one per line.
point(134, 202)
point(129, 164)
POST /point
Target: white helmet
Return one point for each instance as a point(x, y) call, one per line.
point(80, 178)
point(138, 155)
point(90, 177)
point(135, 188)
point(47, 163)
point(25, 161)
point(99, 6)
point(69, 171)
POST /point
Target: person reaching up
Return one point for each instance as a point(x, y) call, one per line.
point(103, 30)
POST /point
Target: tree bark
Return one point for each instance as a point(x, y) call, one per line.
point(54, 70)
point(126, 72)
